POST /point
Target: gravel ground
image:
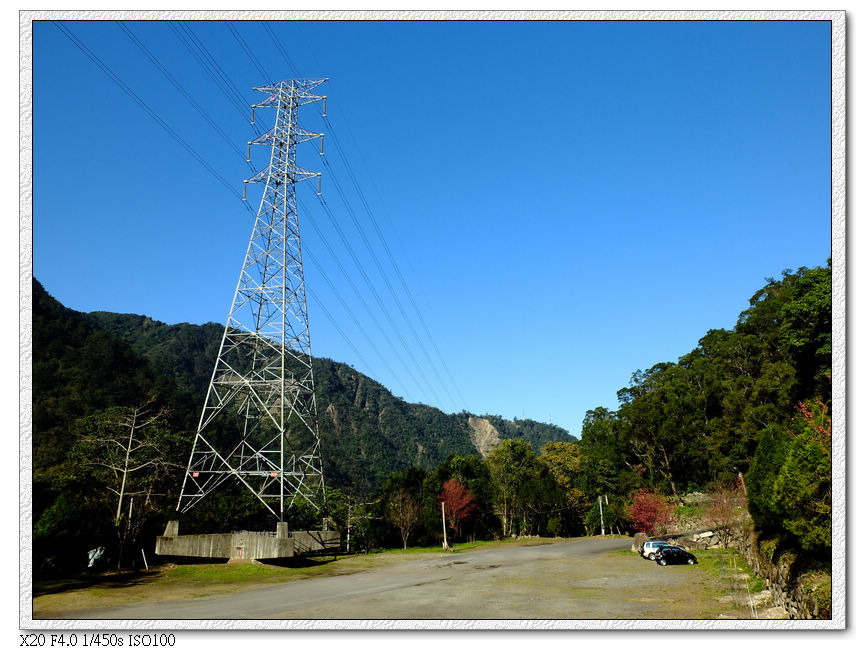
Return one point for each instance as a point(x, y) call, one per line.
point(576, 579)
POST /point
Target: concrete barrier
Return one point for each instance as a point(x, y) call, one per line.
point(245, 544)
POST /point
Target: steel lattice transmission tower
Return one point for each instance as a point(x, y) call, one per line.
point(259, 423)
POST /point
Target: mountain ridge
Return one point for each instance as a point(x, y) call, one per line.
point(366, 432)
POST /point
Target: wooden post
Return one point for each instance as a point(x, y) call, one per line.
point(444, 529)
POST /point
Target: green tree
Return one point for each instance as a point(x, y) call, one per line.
point(806, 328)
point(789, 483)
point(614, 518)
point(564, 462)
point(474, 474)
point(514, 470)
point(802, 495)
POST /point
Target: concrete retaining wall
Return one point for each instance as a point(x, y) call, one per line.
point(307, 541)
point(245, 545)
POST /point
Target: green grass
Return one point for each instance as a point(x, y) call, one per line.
point(723, 563)
point(212, 574)
point(687, 512)
point(411, 550)
point(469, 546)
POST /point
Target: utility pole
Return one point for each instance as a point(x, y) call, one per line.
point(601, 506)
point(348, 532)
point(444, 529)
point(259, 425)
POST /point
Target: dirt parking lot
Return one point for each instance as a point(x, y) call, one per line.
point(588, 578)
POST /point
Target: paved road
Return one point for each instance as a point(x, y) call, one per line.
point(576, 579)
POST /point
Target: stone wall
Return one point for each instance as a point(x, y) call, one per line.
point(789, 588)
point(800, 596)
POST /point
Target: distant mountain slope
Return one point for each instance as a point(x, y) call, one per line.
point(367, 433)
point(77, 369)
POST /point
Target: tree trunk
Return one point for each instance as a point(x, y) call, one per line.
point(669, 476)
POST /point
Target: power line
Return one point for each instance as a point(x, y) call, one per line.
point(382, 272)
point(354, 318)
point(153, 59)
point(387, 282)
point(391, 257)
point(242, 107)
point(153, 115)
point(375, 295)
point(215, 64)
point(214, 70)
point(397, 301)
point(281, 49)
point(245, 48)
point(95, 59)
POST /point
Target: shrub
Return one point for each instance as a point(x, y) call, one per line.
point(651, 513)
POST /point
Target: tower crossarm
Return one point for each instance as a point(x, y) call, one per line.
point(293, 172)
point(302, 135)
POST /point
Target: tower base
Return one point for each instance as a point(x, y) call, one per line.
point(246, 545)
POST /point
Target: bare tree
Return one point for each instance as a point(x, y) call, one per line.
point(128, 452)
point(727, 512)
point(403, 510)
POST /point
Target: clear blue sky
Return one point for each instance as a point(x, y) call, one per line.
point(567, 202)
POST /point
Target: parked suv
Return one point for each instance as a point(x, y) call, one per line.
point(674, 555)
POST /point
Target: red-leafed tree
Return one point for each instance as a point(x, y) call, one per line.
point(459, 504)
point(651, 513)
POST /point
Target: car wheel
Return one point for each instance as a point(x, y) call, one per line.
point(651, 556)
point(662, 562)
point(691, 560)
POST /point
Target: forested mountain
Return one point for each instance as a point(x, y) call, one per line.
point(84, 362)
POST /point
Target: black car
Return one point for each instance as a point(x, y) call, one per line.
point(674, 555)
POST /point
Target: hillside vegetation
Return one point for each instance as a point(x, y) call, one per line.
point(747, 410)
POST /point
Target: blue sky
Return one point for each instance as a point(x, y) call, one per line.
point(567, 202)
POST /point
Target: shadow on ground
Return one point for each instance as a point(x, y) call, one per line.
point(114, 580)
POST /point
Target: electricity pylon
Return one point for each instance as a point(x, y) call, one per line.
point(259, 422)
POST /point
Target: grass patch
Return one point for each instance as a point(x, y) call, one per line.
point(470, 546)
point(724, 564)
point(402, 551)
point(181, 582)
point(819, 583)
point(214, 574)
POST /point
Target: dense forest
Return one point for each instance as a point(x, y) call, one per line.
point(746, 412)
point(754, 401)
